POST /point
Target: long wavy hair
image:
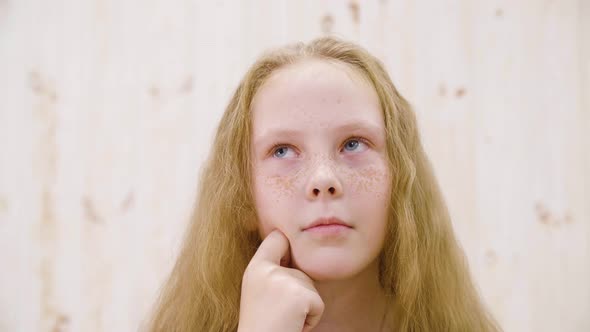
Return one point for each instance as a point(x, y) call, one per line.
point(422, 265)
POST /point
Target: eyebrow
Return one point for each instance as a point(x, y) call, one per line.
point(286, 133)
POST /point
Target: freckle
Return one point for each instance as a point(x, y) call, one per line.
point(283, 186)
point(499, 12)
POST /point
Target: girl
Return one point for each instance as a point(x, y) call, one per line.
point(318, 210)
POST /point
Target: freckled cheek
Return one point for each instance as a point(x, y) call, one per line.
point(275, 198)
point(369, 189)
point(276, 186)
point(371, 182)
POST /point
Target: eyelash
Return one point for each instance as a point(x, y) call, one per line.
point(355, 138)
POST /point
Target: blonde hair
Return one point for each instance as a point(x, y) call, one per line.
point(422, 265)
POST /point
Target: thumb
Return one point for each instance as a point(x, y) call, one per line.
point(273, 248)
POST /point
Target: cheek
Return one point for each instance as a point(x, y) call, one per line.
point(370, 182)
point(274, 199)
point(370, 189)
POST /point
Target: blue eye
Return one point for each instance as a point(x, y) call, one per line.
point(280, 152)
point(354, 145)
point(351, 145)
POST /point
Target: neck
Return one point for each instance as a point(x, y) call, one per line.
point(355, 304)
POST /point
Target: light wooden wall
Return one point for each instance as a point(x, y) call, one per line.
point(107, 109)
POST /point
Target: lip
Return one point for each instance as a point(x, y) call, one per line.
point(322, 222)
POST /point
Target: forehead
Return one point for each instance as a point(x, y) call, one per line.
point(315, 94)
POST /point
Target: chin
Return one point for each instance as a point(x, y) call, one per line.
point(330, 267)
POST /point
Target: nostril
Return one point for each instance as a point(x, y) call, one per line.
point(331, 190)
point(316, 191)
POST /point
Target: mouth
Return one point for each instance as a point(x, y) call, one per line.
point(331, 222)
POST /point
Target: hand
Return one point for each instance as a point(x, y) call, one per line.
point(274, 297)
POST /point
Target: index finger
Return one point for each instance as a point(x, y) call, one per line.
point(273, 248)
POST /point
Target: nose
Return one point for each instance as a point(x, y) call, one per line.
point(323, 183)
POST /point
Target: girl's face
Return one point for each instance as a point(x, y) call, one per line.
point(319, 155)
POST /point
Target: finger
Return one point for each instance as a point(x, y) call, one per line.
point(316, 309)
point(286, 259)
point(273, 248)
point(304, 279)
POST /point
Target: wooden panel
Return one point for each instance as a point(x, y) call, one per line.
point(107, 110)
